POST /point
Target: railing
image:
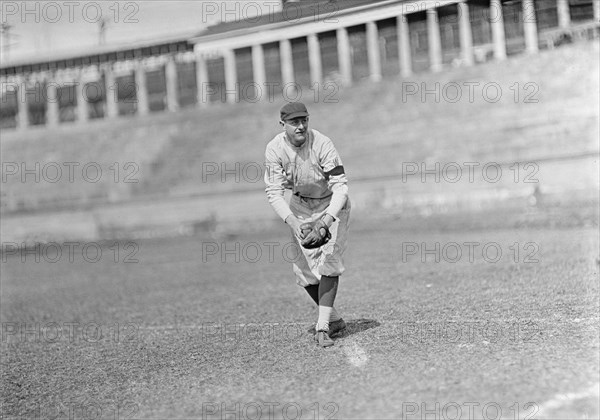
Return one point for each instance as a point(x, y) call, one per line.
point(551, 38)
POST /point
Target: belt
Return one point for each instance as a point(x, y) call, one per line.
point(297, 194)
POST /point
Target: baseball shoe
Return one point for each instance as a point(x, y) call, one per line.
point(322, 337)
point(334, 327)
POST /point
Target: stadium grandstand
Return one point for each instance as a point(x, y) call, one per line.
point(142, 125)
point(306, 43)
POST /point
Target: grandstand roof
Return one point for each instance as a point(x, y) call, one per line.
point(292, 12)
point(98, 54)
point(297, 20)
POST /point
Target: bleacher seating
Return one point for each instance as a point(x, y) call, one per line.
point(375, 126)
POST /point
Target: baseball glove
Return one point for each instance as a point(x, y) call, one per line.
point(315, 234)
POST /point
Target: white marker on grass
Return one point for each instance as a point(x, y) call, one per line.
point(356, 355)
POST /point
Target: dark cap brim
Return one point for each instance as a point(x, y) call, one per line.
point(293, 115)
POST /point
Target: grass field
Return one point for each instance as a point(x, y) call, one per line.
point(188, 332)
point(474, 316)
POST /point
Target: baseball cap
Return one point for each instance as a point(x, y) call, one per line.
point(293, 110)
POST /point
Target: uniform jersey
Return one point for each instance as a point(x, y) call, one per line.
point(312, 171)
point(315, 175)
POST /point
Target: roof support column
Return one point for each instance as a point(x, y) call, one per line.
point(314, 59)
point(465, 33)
point(143, 107)
point(82, 100)
point(434, 40)
point(258, 71)
point(564, 13)
point(23, 108)
point(52, 103)
point(344, 59)
point(404, 52)
point(112, 93)
point(201, 81)
point(498, 37)
point(231, 91)
point(530, 27)
point(373, 52)
point(172, 85)
point(287, 63)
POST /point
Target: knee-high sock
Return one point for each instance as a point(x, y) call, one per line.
point(313, 292)
point(327, 293)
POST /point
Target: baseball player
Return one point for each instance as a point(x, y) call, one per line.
point(306, 162)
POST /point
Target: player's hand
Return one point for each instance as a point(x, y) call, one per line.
point(295, 224)
point(316, 234)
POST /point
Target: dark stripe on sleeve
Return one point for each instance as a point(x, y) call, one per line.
point(338, 170)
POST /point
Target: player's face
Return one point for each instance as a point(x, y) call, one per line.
point(296, 130)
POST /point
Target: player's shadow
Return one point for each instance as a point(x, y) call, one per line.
point(355, 326)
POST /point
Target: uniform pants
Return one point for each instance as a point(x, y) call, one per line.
point(310, 264)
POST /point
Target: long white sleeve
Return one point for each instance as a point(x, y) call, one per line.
point(276, 181)
point(337, 182)
point(314, 170)
point(339, 187)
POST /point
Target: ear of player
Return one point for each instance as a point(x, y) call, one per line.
point(315, 234)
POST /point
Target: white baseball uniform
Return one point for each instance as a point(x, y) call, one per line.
point(315, 174)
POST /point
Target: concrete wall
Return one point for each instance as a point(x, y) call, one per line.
point(571, 180)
